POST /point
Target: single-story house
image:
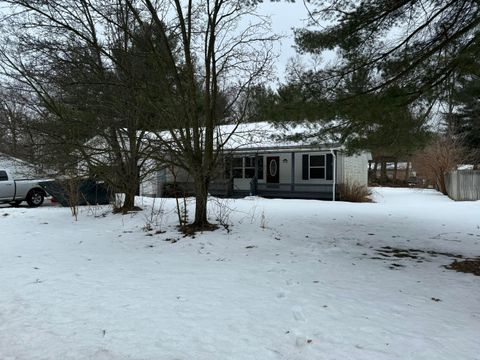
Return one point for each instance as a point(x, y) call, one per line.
point(257, 160)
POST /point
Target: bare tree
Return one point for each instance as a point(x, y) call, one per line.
point(439, 157)
point(226, 48)
point(88, 70)
point(15, 136)
point(199, 53)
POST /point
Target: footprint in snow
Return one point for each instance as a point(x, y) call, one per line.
point(103, 354)
point(298, 314)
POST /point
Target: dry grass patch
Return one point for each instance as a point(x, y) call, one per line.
point(354, 193)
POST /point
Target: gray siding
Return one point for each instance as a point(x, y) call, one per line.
point(353, 169)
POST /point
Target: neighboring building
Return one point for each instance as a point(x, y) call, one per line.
point(403, 170)
point(18, 168)
point(258, 162)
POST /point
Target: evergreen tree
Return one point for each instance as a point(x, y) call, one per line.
point(410, 43)
point(381, 122)
point(467, 117)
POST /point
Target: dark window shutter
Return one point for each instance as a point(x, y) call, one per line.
point(305, 167)
point(329, 167)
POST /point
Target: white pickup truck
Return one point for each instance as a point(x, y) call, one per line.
point(14, 192)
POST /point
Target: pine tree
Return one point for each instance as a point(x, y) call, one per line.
point(406, 41)
point(467, 117)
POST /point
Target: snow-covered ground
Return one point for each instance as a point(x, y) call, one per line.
point(293, 279)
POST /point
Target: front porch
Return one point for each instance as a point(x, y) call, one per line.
point(287, 191)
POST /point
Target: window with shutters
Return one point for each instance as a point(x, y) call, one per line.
point(317, 167)
point(244, 167)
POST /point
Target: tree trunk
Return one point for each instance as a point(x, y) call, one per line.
point(201, 199)
point(129, 202)
point(442, 184)
point(375, 169)
point(407, 171)
point(130, 186)
point(395, 169)
point(383, 175)
point(370, 170)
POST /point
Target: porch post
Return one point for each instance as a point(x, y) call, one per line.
point(230, 176)
point(292, 185)
point(254, 181)
point(334, 173)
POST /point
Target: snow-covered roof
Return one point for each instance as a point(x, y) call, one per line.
point(264, 135)
point(245, 137)
point(465, 167)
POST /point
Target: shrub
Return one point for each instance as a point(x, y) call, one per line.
point(354, 193)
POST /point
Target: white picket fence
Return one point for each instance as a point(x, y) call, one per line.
point(463, 184)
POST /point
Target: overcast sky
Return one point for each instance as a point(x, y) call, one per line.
point(285, 16)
